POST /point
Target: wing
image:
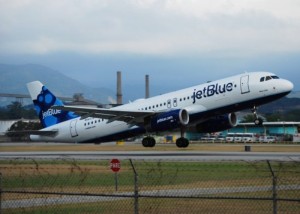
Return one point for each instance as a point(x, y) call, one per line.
point(130, 117)
point(32, 132)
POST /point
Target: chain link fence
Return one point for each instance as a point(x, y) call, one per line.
point(152, 186)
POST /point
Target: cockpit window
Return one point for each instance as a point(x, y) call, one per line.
point(268, 78)
point(275, 77)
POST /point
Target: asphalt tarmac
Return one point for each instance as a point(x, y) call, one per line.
point(163, 152)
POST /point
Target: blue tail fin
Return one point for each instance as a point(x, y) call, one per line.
point(43, 100)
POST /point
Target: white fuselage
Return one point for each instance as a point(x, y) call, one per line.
point(222, 96)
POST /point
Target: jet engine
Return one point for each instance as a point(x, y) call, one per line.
point(218, 123)
point(169, 120)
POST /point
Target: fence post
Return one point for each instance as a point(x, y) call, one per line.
point(274, 188)
point(136, 189)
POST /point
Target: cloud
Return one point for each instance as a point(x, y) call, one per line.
point(157, 27)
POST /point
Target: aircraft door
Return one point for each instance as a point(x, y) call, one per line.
point(245, 84)
point(169, 103)
point(73, 130)
point(175, 102)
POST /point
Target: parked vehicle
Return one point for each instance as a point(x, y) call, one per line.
point(238, 137)
point(249, 137)
point(241, 137)
point(267, 139)
point(230, 137)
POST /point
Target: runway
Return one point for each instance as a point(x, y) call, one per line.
point(156, 155)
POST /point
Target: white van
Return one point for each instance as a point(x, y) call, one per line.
point(230, 137)
point(249, 137)
point(238, 137)
point(267, 139)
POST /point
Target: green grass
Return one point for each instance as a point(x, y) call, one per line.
point(95, 177)
point(94, 174)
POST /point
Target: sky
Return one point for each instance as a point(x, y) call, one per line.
point(179, 43)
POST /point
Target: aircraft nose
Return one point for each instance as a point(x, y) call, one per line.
point(288, 85)
point(284, 86)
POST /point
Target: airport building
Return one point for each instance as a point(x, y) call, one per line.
point(270, 131)
point(283, 131)
point(268, 128)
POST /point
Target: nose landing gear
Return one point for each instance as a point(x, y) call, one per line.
point(257, 121)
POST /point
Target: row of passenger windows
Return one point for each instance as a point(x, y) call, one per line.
point(268, 78)
point(93, 122)
point(168, 103)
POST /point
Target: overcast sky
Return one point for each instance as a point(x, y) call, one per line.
point(178, 42)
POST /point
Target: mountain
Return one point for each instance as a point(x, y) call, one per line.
point(14, 78)
point(294, 94)
point(282, 105)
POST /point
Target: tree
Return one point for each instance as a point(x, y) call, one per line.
point(15, 110)
point(249, 118)
point(274, 117)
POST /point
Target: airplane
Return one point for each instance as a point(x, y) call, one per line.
point(205, 108)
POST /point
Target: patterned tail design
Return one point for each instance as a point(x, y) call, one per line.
point(43, 100)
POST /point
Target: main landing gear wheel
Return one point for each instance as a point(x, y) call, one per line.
point(182, 142)
point(148, 142)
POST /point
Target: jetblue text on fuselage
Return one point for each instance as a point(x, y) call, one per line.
point(211, 90)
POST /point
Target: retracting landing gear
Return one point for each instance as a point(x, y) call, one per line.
point(148, 142)
point(257, 121)
point(182, 142)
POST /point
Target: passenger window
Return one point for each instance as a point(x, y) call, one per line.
point(268, 78)
point(262, 79)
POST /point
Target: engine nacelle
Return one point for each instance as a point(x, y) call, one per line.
point(169, 120)
point(217, 124)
